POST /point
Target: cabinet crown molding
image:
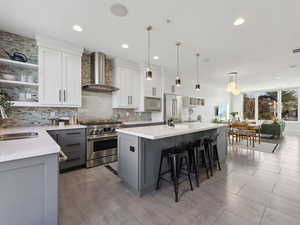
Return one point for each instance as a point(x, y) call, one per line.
point(48, 42)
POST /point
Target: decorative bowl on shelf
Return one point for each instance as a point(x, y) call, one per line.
point(8, 76)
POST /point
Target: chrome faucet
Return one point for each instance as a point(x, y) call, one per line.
point(3, 114)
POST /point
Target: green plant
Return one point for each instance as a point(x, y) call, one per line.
point(5, 101)
point(216, 121)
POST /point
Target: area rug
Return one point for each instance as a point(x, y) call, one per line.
point(268, 147)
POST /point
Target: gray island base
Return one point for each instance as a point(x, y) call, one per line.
point(140, 150)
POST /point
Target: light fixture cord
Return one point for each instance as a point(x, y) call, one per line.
point(197, 68)
point(149, 48)
point(177, 60)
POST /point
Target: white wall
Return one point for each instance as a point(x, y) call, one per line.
point(213, 96)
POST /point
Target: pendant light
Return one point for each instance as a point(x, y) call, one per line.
point(148, 70)
point(232, 84)
point(236, 90)
point(197, 86)
point(178, 81)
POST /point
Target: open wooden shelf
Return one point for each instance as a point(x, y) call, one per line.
point(19, 83)
point(20, 64)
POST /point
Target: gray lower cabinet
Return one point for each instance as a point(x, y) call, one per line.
point(139, 157)
point(73, 144)
point(129, 165)
point(29, 191)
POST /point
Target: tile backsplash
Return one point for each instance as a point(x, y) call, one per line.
point(38, 116)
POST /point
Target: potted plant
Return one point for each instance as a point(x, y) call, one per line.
point(5, 103)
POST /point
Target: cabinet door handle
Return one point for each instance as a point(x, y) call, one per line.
point(59, 95)
point(154, 91)
point(129, 100)
point(70, 145)
point(70, 160)
point(74, 133)
point(65, 95)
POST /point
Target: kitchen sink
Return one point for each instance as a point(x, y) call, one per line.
point(15, 136)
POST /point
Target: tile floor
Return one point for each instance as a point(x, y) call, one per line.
point(253, 188)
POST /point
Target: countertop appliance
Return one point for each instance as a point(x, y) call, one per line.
point(102, 141)
point(152, 104)
point(98, 80)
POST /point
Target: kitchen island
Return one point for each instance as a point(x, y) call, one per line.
point(140, 149)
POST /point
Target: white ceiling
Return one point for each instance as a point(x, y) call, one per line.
point(260, 49)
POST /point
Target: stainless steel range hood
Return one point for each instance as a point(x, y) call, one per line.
point(98, 81)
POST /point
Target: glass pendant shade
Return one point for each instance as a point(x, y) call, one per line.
point(236, 91)
point(232, 85)
point(197, 87)
point(148, 74)
point(178, 81)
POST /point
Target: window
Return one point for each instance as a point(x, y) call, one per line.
point(289, 99)
point(249, 106)
point(267, 105)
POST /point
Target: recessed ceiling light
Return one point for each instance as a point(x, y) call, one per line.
point(125, 46)
point(119, 10)
point(293, 66)
point(77, 28)
point(156, 57)
point(239, 21)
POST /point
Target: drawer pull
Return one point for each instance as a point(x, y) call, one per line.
point(70, 145)
point(74, 133)
point(71, 160)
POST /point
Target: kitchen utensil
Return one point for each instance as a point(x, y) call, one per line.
point(16, 56)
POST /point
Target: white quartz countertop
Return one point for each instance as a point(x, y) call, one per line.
point(30, 147)
point(140, 122)
point(163, 131)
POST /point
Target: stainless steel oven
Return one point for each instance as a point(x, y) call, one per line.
point(102, 150)
point(102, 142)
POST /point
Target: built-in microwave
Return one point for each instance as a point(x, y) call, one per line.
point(152, 104)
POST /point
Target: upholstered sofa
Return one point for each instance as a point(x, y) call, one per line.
point(275, 129)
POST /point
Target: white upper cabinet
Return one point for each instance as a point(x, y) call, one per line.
point(126, 77)
point(72, 79)
point(50, 76)
point(59, 74)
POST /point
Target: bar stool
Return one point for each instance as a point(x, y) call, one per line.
point(211, 148)
point(197, 154)
point(175, 157)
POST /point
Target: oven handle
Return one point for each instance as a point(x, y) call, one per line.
point(103, 138)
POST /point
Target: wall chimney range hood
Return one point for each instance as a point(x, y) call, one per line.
point(98, 82)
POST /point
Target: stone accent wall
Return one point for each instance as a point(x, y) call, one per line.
point(11, 43)
point(131, 115)
point(86, 69)
point(38, 116)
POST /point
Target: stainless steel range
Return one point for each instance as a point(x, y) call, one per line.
point(102, 142)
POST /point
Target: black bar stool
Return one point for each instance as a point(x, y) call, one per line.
point(175, 157)
point(199, 156)
point(211, 148)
